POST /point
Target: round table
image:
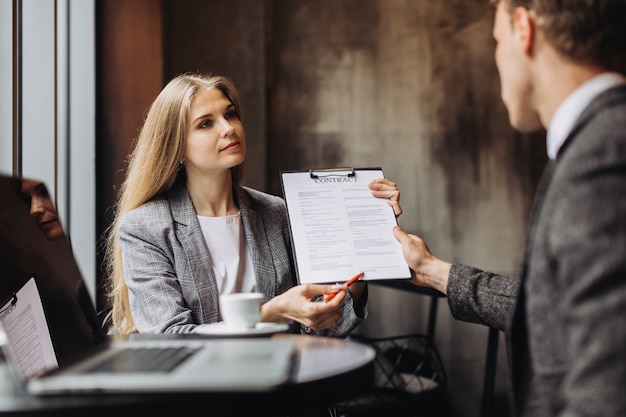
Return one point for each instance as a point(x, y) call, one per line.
point(325, 371)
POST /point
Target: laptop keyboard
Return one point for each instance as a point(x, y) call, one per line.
point(144, 359)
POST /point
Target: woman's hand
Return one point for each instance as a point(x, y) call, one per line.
point(383, 188)
point(295, 304)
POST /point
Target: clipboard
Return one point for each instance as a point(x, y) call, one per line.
point(8, 305)
point(23, 321)
point(338, 228)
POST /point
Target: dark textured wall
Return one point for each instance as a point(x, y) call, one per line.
point(224, 37)
point(408, 85)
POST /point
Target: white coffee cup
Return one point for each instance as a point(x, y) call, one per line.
point(241, 310)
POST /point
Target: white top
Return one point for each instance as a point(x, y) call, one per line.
point(573, 106)
point(231, 261)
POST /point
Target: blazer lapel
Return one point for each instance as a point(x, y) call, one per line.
point(200, 270)
point(258, 244)
point(517, 337)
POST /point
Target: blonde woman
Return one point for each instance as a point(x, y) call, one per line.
point(186, 230)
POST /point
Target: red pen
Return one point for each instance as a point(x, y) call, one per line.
point(351, 281)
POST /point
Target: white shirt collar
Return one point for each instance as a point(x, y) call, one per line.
point(573, 106)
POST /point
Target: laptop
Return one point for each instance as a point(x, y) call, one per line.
point(54, 342)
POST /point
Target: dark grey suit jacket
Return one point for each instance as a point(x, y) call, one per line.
point(170, 279)
point(565, 314)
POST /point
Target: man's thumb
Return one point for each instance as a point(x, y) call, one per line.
point(399, 234)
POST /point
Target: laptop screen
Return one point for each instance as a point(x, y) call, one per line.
point(33, 245)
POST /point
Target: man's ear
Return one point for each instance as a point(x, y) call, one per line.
point(524, 27)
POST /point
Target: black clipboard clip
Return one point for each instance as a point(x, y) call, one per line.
point(8, 305)
point(332, 172)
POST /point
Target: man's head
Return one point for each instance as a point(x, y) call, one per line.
point(582, 34)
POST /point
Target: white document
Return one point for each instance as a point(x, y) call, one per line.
point(339, 228)
point(24, 323)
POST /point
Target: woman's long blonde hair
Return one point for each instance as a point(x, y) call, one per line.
point(153, 167)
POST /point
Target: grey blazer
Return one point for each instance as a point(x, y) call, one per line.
point(171, 284)
point(565, 314)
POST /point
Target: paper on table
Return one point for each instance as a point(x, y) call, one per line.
point(339, 229)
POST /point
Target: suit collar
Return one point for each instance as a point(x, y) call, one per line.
point(579, 107)
point(181, 205)
point(574, 105)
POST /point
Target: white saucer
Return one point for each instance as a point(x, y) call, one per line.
point(261, 329)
